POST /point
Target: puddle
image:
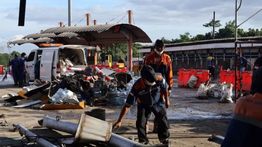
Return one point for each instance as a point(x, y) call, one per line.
point(117, 98)
point(191, 114)
point(177, 114)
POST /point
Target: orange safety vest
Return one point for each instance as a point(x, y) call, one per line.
point(159, 63)
point(140, 86)
point(249, 109)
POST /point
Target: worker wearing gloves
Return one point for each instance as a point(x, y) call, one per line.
point(146, 93)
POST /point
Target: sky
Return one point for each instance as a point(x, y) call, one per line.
point(158, 18)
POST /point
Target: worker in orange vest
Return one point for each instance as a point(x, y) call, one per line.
point(162, 63)
point(146, 93)
point(245, 129)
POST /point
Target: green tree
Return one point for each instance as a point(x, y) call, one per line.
point(199, 37)
point(253, 32)
point(135, 49)
point(228, 31)
point(212, 23)
point(12, 55)
point(120, 50)
point(242, 33)
point(185, 37)
point(166, 40)
point(4, 59)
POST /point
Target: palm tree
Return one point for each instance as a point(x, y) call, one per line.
point(214, 24)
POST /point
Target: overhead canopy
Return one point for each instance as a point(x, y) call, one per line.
point(34, 41)
point(88, 35)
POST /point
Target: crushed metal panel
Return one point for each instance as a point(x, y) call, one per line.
point(73, 40)
point(87, 35)
point(97, 32)
point(51, 35)
point(107, 71)
point(67, 34)
point(41, 35)
point(96, 28)
point(23, 41)
point(28, 104)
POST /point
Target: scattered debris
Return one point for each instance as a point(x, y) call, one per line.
point(73, 91)
point(64, 96)
point(80, 105)
point(2, 115)
point(223, 91)
point(28, 104)
point(33, 137)
point(227, 93)
point(202, 91)
point(86, 134)
point(216, 138)
point(3, 123)
point(27, 95)
point(192, 81)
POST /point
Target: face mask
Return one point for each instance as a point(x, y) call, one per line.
point(256, 67)
point(149, 83)
point(159, 53)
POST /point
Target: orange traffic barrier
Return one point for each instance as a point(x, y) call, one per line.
point(185, 74)
point(1, 69)
point(183, 77)
point(229, 77)
point(202, 76)
point(246, 80)
point(180, 77)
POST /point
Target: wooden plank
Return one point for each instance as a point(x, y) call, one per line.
point(80, 105)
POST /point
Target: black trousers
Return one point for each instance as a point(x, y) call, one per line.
point(211, 71)
point(143, 114)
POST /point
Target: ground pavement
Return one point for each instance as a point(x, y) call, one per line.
point(192, 120)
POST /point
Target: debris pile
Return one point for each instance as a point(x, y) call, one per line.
point(82, 134)
point(64, 96)
point(72, 91)
point(223, 91)
point(192, 81)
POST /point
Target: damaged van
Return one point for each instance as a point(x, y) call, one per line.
point(53, 62)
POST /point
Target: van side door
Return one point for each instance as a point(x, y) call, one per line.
point(46, 65)
point(30, 65)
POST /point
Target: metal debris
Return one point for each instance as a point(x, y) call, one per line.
point(216, 138)
point(86, 138)
point(33, 137)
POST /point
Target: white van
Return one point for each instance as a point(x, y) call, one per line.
point(52, 62)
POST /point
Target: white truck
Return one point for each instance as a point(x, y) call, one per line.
point(52, 62)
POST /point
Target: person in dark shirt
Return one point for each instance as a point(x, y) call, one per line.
point(211, 65)
point(257, 65)
point(243, 63)
point(37, 67)
point(22, 71)
point(161, 63)
point(14, 63)
point(146, 93)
